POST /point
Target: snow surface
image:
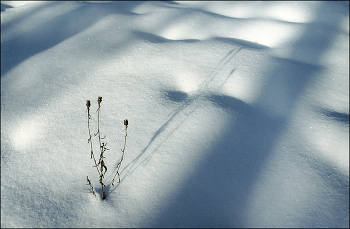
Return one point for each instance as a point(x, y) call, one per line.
point(238, 113)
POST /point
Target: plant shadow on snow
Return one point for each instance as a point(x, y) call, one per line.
point(217, 193)
point(175, 96)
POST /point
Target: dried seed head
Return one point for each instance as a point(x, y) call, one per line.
point(99, 100)
point(126, 122)
point(88, 103)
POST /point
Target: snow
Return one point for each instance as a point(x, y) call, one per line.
point(238, 113)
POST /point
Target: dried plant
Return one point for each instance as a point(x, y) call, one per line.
point(100, 165)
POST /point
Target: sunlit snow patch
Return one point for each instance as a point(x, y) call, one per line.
point(27, 132)
point(244, 88)
point(267, 33)
point(188, 82)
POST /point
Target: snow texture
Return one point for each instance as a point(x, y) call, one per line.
point(238, 113)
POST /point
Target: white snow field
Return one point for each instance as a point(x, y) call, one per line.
point(238, 113)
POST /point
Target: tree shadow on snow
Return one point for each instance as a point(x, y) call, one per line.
point(217, 193)
point(52, 32)
point(343, 118)
point(5, 6)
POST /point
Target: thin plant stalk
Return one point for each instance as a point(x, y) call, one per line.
point(88, 104)
point(102, 149)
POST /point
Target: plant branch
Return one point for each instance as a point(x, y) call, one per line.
point(123, 151)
